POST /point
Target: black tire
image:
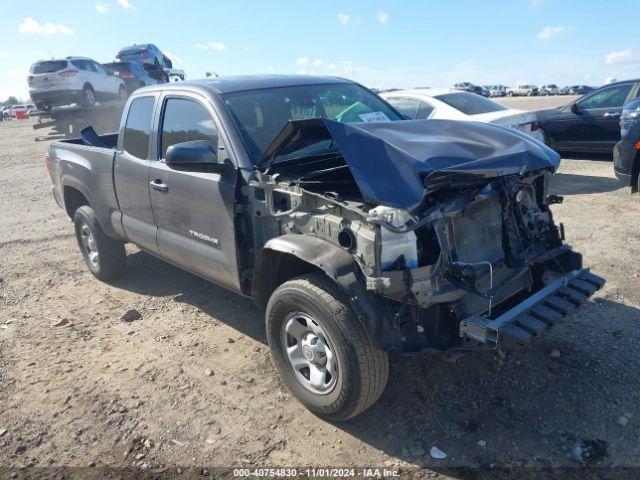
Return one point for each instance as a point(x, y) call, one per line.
point(88, 96)
point(362, 371)
point(112, 258)
point(122, 94)
point(43, 107)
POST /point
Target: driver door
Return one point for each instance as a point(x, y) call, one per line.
point(194, 211)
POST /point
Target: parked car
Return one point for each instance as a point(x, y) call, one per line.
point(565, 90)
point(469, 87)
point(135, 75)
point(549, 89)
point(175, 75)
point(484, 91)
point(523, 91)
point(590, 123)
point(626, 153)
point(497, 90)
point(72, 80)
point(17, 108)
point(457, 105)
point(580, 90)
point(146, 53)
point(357, 238)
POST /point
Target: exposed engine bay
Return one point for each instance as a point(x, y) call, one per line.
point(448, 259)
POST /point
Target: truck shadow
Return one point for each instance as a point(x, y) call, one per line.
point(573, 184)
point(526, 407)
point(150, 276)
point(523, 410)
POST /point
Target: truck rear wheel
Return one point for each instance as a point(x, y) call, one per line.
point(321, 350)
point(106, 258)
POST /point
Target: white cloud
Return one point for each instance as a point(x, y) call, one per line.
point(344, 18)
point(343, 68)
point(102, 7)
point(622, 57)
point(3, 55)
point(215, 46)
point(383, 17)
point(31, 26)
point(126, 4)
point(174, 58)
point(549, 32)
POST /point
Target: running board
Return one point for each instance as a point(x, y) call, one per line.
point(539, 312)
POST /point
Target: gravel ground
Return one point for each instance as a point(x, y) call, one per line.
point(191, 385)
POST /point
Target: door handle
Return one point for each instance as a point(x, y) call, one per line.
point(612, 114)
point(158, 186)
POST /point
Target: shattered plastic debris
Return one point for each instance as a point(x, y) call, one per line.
point(435, 452)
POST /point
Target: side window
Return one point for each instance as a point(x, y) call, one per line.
point(138, 127)
point(424, 110)
point(406, 106)
point(81, 64)
point(613, 97)
point(186, 120)
point(98, 68)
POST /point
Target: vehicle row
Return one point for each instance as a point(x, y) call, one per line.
point(84, 81)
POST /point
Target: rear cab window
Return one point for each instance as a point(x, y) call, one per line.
point(138, 127)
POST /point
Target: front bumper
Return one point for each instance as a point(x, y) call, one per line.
point(534, 315)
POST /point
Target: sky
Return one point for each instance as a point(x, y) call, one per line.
point(380, 43)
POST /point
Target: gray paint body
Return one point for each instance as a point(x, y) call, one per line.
point(227, 228)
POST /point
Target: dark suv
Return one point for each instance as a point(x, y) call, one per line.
point(135, 75)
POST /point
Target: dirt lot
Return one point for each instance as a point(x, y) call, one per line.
point(81, 388)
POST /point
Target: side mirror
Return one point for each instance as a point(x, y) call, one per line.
point(195, 156)
point(575, 108)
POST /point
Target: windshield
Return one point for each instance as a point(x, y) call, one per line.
point(49, 66)
point(470, 103)
point(261, 114)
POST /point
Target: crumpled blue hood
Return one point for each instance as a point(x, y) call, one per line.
point(398, 163)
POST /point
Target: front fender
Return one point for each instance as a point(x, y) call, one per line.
point(337, 264)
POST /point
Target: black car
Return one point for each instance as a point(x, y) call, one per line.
point(590, 123)
point(133, 74)
point(626, 153)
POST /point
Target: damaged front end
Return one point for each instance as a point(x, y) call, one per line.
point(448, 223)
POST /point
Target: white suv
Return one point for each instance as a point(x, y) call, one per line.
point(72, 80)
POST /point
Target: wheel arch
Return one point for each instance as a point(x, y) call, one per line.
point(73, 198)
point(289, 256)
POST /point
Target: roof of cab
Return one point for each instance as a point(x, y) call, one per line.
point(239, 83)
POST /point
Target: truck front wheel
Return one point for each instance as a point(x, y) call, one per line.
point(106, 258)
point(321, 350)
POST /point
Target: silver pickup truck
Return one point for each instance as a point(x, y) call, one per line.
point(359, 232)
